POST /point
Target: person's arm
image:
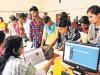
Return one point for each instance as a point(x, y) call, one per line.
point(30, 32)
point(9, 27)
point(79, 40)
point(44, 37)
point(98, 35)
point(43, 42)
point(47, 66)
point(61, 48)
point(50, 62)
point(75, 35)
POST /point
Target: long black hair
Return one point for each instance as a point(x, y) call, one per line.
point(11, 48)
point(33, 8)
point(1, 19)
point(85, 20)
point(63, 20)
point(95, 9)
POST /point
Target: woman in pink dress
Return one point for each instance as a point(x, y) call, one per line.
point(15, 27)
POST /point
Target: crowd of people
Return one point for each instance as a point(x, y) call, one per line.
point(43, 32)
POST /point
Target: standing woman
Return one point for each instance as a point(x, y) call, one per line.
point(15, 27)
point(66, 32)
point(93, 13)
point(50, 33)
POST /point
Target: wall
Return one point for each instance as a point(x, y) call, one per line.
point(53, 7)
point(10, 7)
point(74, 7)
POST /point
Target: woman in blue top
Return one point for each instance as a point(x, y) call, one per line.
point(50, 33)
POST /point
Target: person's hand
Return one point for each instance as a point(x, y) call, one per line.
point(41, 46)
point(98, 34)
point(51, 61)
point(50, 45)
point(55, 56)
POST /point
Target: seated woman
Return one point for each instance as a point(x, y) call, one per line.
point(2, 37)
point(66, 33)
point(84, 29)
point(50, 33)
point(12, 64)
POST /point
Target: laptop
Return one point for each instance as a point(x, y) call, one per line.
point(34, 57)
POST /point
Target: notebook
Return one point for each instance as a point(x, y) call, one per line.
point(35, 56)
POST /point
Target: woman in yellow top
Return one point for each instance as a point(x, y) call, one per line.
point(2, 25)
point(50, 33)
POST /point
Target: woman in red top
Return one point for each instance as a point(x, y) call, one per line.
point(84, 24)
point(84, 29)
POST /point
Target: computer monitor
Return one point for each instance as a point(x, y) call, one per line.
point(81, 57)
